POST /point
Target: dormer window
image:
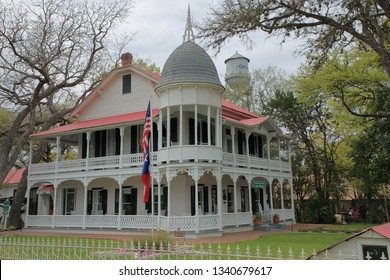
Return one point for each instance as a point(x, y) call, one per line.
point(126, 84)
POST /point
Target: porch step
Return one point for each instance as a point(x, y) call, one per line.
point(270, 227)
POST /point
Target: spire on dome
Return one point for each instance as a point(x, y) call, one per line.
point(188, 33)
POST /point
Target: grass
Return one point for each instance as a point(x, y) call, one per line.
point(296, 241)
point(316, 239)
point(340, 228)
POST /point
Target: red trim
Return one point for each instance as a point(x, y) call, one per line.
point(96, 123)
point(47, 188)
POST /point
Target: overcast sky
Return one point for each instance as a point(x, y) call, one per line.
point(160, 26)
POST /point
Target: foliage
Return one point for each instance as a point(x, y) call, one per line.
point(147, 65)
point(49, 50)
point(320, 25)
point(318, 210)
point(352, 78)
point(371, 151)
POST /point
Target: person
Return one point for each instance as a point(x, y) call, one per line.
point(354, 213)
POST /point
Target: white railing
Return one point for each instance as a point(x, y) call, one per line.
point(173, 154)
point(244, 218)
point(42, 248)
point(138, 222)
point(242, 161)
point(229, 219)
point(39, 221)
point(109, 162)
point(190, 153)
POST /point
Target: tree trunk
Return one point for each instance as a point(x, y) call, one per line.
point(14, 219)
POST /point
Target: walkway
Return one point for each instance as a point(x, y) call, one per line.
point(137, 235)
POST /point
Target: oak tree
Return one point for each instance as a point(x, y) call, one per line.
point(50, 51)
point(321, 25)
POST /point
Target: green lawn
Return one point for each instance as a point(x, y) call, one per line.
point(296, 241)
point(286, 244)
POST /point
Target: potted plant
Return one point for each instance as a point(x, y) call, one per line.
point(257, 219)
point(276, 219)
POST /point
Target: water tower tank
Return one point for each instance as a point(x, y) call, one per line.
point(237, 72)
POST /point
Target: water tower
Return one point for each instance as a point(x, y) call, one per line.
point(237, 72)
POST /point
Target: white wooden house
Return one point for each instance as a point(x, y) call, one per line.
point(214, 164)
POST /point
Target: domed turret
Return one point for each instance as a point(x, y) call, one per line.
point(237, 72)
point(189, 63)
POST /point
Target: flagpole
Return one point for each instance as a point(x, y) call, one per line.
point(151, 162)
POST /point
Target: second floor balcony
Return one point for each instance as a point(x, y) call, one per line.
point(183, 155)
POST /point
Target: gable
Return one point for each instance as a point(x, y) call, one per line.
point(110, 98)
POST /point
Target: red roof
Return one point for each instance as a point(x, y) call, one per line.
point(46, 188)
point(235, 112)
point(14, 176)
point(382, 229)
point(230, 112)
point(96, 123)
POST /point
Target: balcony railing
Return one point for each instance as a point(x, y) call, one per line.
point(175, 155)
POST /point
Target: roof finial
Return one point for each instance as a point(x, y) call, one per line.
point(188, 33)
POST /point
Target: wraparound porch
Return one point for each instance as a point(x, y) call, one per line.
point(195, 224)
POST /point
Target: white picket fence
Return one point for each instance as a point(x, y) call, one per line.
point(38, 248)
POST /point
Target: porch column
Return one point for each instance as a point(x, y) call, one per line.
point(169, 201)
point(181, 125)
point(196, 207)
point(160, 133)
point(58, 143)
point(233, 133)
point(122, 134)
point(54, 204)
point(208, 126)
point(218, 124)
point(88, 143)
point(281, 197)
point(247, 133)
point(292, 197)
point(249, 180)
point(85, 201)
point(217, 129)
point(168, 126)
point(196, 124)
point(28, 199)
point(159, 200)
point(120, 202)
point(268, 137)
point(271, 203)
point(219, 201)
point(235, 198)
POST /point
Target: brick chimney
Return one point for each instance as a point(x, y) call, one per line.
point(127, 59)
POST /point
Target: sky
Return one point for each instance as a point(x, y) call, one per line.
point(160, 25)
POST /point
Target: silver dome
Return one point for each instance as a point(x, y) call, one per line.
point(189, 63)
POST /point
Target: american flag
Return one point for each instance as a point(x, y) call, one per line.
point(145, 175)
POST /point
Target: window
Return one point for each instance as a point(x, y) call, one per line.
point(97, 201)
point(126, 84)
point(33, 203)
point(230, 199)
point(244, 199)
point(163, 200)
point(69, 201)
point(129, 201)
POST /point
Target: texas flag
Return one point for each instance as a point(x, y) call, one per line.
point(145, 175)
